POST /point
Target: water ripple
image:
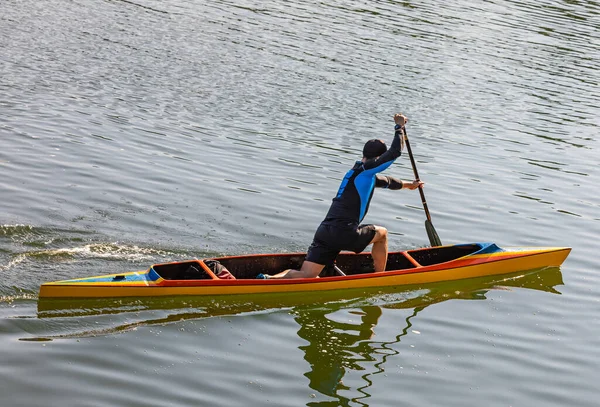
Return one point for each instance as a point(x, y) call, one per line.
point(140, 131)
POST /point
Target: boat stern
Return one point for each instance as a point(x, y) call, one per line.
point(88, 285)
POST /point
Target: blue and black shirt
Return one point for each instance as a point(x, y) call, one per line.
point(351, 203)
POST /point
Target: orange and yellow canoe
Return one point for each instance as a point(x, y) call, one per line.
point(410, 267)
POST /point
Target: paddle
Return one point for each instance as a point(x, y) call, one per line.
point(434, 239)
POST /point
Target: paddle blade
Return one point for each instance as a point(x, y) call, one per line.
point(434, 239)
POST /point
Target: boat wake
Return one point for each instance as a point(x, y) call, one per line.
point(104, 251)
point(31, 255)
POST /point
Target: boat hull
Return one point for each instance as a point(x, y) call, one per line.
point(488, 260)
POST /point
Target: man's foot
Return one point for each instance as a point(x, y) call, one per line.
point(262, 276)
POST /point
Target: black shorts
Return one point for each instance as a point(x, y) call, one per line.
point(330, 240)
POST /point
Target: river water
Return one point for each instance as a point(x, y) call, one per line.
point(137, 132)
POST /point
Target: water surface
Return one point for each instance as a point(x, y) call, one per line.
point(138, 132)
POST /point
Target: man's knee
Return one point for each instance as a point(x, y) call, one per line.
point(381, 234)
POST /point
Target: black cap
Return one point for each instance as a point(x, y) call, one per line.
point(374, 148)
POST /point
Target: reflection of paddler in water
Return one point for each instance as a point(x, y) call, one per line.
point(337, 346)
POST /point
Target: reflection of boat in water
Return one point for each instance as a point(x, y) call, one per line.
point(420, 266)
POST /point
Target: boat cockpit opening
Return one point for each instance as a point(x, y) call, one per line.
point(350, 264)
point(437, 255)
point(248, 267)
point(186, 270)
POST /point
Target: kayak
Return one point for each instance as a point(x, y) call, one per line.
point(410, 267)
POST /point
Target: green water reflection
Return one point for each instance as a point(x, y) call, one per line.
point(336, 347)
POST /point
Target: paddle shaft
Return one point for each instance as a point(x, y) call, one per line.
point(414, 166)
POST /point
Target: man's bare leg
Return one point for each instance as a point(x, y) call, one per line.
point(308, 270)
point(380, 248)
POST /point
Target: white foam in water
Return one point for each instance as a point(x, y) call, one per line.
point(16, 230)
point(17, 260)
point(107, 251)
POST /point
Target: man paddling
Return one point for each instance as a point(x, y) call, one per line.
point(341, 229)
